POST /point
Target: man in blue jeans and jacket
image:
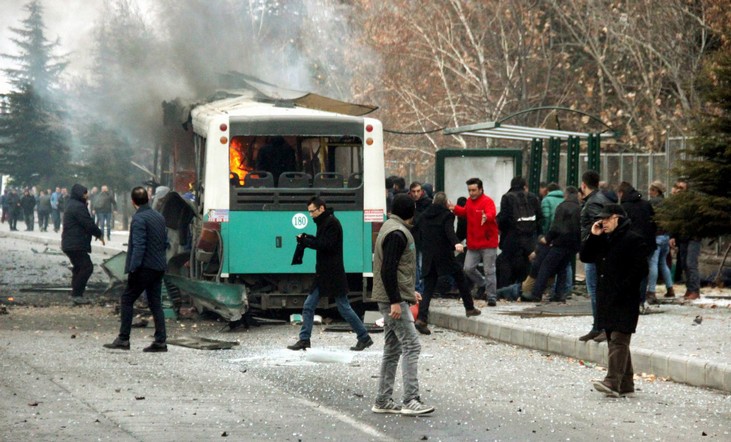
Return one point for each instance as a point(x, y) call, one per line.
point(146, 264)
point(330, 278)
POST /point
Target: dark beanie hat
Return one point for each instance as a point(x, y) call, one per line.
point(402, 206)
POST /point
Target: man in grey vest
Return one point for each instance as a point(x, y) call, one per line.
point(394, 279)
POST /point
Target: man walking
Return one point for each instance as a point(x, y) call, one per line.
point(330, 278)
point(394, 277)
point(28, 204)
point(519, 221)
point(78, 228)
point(620, 256)
point(482, 240)
point(104, 206)
point(594, 201)
point(56, 209)
point(436, 228)
point(146, 264)
point(44, 210)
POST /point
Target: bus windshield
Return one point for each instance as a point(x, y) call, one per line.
point(295, 161)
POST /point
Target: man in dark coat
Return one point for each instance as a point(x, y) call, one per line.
point(642, 215)
point(620, 255)
point(146, 264)
point(78, 228)
point(518, 232)
point(28, 204)
point(436, 228)
point(14, 209)
point(330, 278)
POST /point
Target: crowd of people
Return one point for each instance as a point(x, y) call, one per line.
point(40, 207)
point(538, 238)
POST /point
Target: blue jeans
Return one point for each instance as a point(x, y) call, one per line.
point(105, 219)
point(554, 264)
point(692, 249)
point(401, 342)
point(660, 258)
point(346, 311)
point(419, 276)
point(591, 281)
point(488, 258)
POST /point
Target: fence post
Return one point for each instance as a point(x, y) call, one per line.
point(554, 159)
point(536, 161)
point(572, 161)
point(593, 151)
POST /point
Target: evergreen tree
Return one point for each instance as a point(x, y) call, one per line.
point(33, 134)
point(705, 210)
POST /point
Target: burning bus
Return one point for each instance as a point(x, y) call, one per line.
point(260, 155)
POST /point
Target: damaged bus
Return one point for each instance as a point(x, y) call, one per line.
point(258, 160)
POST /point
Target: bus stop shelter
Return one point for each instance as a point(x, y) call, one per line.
point(554, 138)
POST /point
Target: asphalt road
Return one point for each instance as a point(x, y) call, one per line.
point(58, 383)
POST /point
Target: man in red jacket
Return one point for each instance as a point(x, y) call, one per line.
point(482, 240)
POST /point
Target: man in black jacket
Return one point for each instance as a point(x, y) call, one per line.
point(435, 227)
point(594, 201)
point(330, 278)
point(519, 221)
point(78, 228)
point(620, 256)
point(564, 241)
point(146, 264)
point(642, 215)
point(28, 203)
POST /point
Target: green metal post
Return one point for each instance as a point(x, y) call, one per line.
point(572, 161)
point(536, 160)
point(554, 157)
point(594, 152)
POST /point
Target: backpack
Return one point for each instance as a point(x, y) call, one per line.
point(524, 214)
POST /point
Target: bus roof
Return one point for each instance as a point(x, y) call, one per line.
point(245, 106)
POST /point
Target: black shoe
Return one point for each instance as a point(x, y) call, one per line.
point(362, 345)
point(421, 327)
point(601, 338)
point(480, 294)
point(118, 344)
point(156, 347)
point(491, 302)
point(591, 335)
point(78, 300)
point(301, 345)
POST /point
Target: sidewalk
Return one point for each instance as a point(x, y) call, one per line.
point(668, 343)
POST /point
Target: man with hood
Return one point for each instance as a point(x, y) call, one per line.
point(436, 228)
point(620, 255)
point(78, 228)
point(330, 278)
point(394, 279)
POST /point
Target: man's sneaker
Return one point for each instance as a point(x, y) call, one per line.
point(362, 345)
point(156, 347)
point(605, 388)
point(80, 300)
point(118, 344)
point(389, 408)
point(299, 345)
point(421, 327)
point(473, 312)
point(414, 408)
point(491, 302)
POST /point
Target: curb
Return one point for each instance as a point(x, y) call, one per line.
point(684, 369)
point(108, 250)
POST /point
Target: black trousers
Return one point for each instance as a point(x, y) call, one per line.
point(512, 264)
point(81, 272)
point(143, 280)
point(439, 281)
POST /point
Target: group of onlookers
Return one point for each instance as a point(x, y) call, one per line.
point(539, 237)
point(50, 205)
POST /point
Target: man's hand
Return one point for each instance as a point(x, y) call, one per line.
point(672, 242)
point(459, 247)
point(484, 218)
point(104, 243)
point(417, 295)
point(596, 228)
point(395, 311)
